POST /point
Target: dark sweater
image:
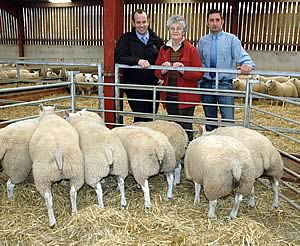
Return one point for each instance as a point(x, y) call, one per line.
point(130, 49)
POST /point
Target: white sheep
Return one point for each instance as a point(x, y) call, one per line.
point(296, 82)
point(13, 73)
point(177, 137)
point(56, 155)
point(50, 74)
point(3, 74)
point(92, 115)
point(286, 89)
point(149, 152)
point(103, 153)
point(220, 164)
point(86, 78)
point(240, 85)
point(280, 79)
point(34, 75)
point(266, 159)
point(14, 152)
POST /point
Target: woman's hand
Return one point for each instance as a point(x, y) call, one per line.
point(178, 64)
point(160, 82)
point(167, 64)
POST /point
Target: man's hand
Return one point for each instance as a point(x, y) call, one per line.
point(143, 63)
point(246, 69)
point(178, 64)
point(167, 64)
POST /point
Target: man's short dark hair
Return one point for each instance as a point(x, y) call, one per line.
point(139, 11)
point(214, 11)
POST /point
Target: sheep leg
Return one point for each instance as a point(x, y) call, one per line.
point(197, 193)
point(121, 187)
point(251, 201)
point(177, 173)
point(99, 192)
point(10, 188)
point(170, 180)
point(73, 196)
point(49, 204)
point(275, 186)
point(212, 208)
point(237, 202)
point(146, 191)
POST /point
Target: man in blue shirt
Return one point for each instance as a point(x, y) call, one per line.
point(220, 49)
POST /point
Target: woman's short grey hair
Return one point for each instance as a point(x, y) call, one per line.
point(177, 19)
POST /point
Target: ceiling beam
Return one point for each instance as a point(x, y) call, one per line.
point(10, 8)
point(57, 5)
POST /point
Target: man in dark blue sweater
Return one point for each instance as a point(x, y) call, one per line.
point(139, 47)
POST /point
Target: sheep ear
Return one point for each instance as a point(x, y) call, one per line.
point(41, 107)
point(54, 106)
point(83, 110)
point(200, 131)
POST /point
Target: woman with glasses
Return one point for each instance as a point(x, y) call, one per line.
point(179, 52)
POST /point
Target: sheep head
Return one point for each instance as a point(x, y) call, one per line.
point(46, 110)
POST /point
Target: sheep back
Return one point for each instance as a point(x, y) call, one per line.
point(55, 142)
point(296, 82)
point(219, 163)
point(286, 89)
point(14, 149)
point(92, 115)
point(266, 158)
point(176, 134)
point(143, 152)
point(96, 139)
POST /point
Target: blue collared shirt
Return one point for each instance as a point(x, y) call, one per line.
point(229, 53)
point(146, 35)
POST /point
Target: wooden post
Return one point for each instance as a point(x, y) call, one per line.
point(234, 17)
point(20, 32)
point(113, 28)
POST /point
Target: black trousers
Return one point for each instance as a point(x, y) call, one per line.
point(142, 106)
point(172, 108)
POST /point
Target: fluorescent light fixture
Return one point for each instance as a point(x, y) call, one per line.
point(60, 1)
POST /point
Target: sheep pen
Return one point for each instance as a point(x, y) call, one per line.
point(176, 222)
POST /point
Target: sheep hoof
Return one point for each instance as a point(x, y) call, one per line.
point(232, 216)
point(212, 216)
point(251, 205)
point(169, 198)
point(229, 218)
point(275, 206)
point(52, 223)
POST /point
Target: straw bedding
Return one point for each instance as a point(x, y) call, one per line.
point(24, 220)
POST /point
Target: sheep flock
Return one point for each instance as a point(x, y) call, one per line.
point(81, 149)
point(281, 86)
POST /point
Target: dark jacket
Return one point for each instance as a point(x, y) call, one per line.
point(189, 57)
point(130, 49)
